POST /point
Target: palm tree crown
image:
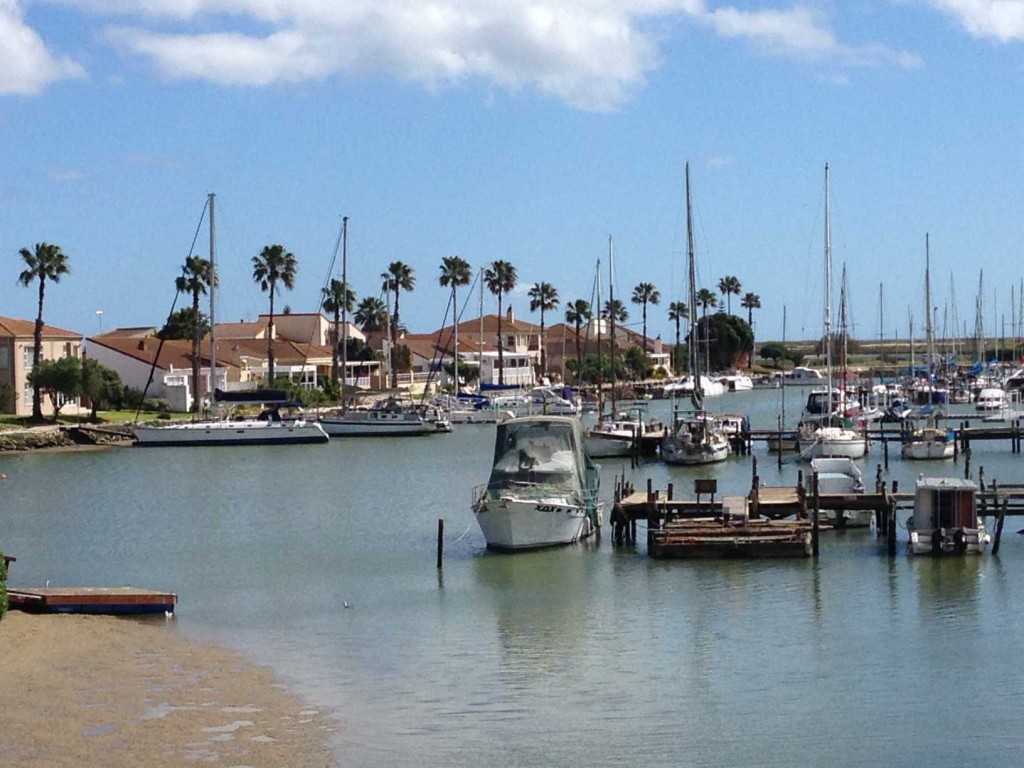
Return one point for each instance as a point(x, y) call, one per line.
point(371, 315)
point(543, 296)
point(729, 286)
point(398, 277)
point(46, 262)
point(500, 279)
point(750, 302)
point(274, 266)
point(644, 294)
point(677, 312)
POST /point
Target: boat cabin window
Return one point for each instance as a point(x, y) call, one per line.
point(953, 509)
point(528, 452)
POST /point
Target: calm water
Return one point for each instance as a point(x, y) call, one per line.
point(581, 656)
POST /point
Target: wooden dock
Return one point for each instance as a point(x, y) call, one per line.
point(704, 539)
point(99, 600)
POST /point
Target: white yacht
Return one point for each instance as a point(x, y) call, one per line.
point(543, 488)
point(391, 417)
point(945, 518)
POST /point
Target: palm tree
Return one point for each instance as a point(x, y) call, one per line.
point(455, 271)
point(46, 262)
point(543, 296)
point(337, 296)
point(751, 301)
point(728, 286)
point(371, 315)
point(274, 265)
point(677, 312)
point(706, 298)
point(615, 311)
point(577, 313)
point(195, 278)
point(644, 294)
point(500, 278)
point(398, 277)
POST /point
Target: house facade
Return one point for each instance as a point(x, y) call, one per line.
point(17, 345)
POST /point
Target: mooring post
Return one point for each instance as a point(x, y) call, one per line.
point(878, 479)
point(650, 491)
point(780, 445)
point(753, 469)
point(440, 542)
point(981, 477)
point(814, 513)
point(885, 451)
point(1000, 517)
point(671, 490)
point(891, 530)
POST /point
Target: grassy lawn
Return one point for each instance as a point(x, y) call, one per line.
point(8, 421)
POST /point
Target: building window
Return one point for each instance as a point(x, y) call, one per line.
point(5, 358)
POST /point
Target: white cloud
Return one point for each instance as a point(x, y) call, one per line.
point(70, 174)
point(1002, 20)
point(591, 54)
point(27, 66)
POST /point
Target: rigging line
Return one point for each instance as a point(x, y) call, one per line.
point(177, 293)
point(320, 298)
point(463, 535)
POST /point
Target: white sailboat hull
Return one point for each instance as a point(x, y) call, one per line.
point(831, 441)
point(510, 522)
point(249, 432)
point(928, 449)
point(675, 451)
point(362, 427)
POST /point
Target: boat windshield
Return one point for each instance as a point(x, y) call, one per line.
point(536, 452)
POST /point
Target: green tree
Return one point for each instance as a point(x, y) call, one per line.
point(576, 314)
point(398, 277)
point(46, 262)
point(644, 294)
point(275, 265)
point(677, 312)
point(543, 296)
point(729, 286)
point(371, 315)
point(637, 364)
point(500, 278)
point(594, 368)
point(60, 379)
point(335, 298)
point(102, 385)
point(196, 276)
point(726, 337)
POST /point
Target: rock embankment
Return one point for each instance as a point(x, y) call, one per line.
point(51, 438)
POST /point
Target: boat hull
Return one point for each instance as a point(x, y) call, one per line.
point(928, 450)
point(343, 428)
point(512, 524)
point(229, 433)
point(674, 452)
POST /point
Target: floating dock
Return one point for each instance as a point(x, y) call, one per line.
point(698, 539)
point(100, 600)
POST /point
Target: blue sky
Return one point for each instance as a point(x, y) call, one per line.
point(523, 132)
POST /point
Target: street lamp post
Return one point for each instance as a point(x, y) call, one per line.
point(99, 316)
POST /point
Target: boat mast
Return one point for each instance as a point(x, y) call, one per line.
point(455, 353)
point(929, 331)
point(344, 310)
point(600, 356)
point(697, 397)
point(828, 291)
point(611, 314)
point(213, 287)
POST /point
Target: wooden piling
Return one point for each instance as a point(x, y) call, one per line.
point(885, 452)
point(814, 520)
point(890, 533)
point(1000, 517)
point(440, 542)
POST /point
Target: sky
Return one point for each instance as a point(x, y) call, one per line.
point(525, 132)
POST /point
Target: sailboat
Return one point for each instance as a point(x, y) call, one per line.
point(269, 428)
point(927, 440)
point(830, 434)
point(697, 437)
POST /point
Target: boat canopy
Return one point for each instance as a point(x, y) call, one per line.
point(545, 450)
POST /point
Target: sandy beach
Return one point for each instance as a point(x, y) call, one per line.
point(103, 691)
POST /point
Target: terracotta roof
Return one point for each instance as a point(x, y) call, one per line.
point(490, 326)
point(128, 333)
point(10, 326)
point(241, 330)
point(175, 353)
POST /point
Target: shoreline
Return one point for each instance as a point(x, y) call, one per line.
point(91, 690)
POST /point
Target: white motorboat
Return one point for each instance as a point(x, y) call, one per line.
point(391, 417)
point(801, 376)
point(685, 385)
point(992, 399)
point(543, 488)
point(629, 431)
point(945, 518)
point(840, 476)
point(736, 382)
